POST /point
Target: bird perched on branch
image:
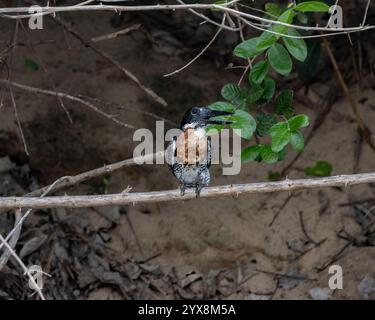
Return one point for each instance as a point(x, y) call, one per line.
point(189, 153)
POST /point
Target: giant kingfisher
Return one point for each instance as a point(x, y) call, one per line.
point(189, 153)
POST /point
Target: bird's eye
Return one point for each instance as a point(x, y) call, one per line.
point(194, 111)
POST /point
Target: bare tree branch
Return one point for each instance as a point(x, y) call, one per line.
point(69, 181)
point(174, 195)
point(66, 96)
point(223, 7)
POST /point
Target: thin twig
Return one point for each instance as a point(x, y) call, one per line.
point(357, 150)
point(122, 107)
point(366, 12)
point(14, 105)
point(350, 242)
point(328, 103)
point(116, 34)
point(304, 228)
point(362, 126)
point(278, 212)
point(138, 243)
point(13, 100)
point(269, 30)
point(200, 53)
point(66, 96)
point(83, 99)
point(45, 72)
point(249, 61)
point(90, 44)
point(13, 238)
point(354, 62)
point(208, 19)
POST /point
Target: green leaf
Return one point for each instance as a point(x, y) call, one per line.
point(268, 155)
point(233, 92)
point(274, 175)
point(213, 129)
point(244, 121)
point(269, 87)
point(266, 40)
point(247, 49)
point(242, 105)
point(284, 104)
point(297, 122)
point(296, 46)
point(286, 17)
point(258, 72)
point(280, 136)
point(273, 9)
point(31, 64)
point(297, 141)
point(279, 59)
point(321, 169)
point(312, 6)
point(265, 122)
point(222, 106)
point(250, 154)
point(255, 93)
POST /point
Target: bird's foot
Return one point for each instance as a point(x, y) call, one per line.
point(198, 189)
point(182, 190)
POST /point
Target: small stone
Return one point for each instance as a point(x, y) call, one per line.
point(189, 279)
point(366, 288)
point(76, 293)
point(151, 268)
point(320, 293)
point(253, 296)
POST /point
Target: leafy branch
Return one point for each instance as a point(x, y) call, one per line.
point(274, 51)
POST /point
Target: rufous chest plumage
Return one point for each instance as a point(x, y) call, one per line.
point(191, 147)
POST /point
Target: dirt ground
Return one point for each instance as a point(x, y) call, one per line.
point(224, 248)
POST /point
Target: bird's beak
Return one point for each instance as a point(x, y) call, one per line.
point(218, 113)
